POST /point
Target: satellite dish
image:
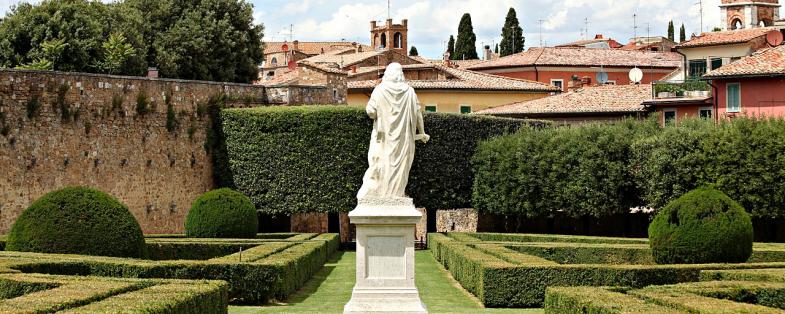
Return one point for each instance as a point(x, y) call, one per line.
point(602, 77)
point(285, 48)
point(636, 75)
point(292, 65)
point(774, 38)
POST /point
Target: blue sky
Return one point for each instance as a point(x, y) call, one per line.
point(432, 21)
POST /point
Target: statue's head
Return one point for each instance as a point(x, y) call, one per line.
point(394, 73)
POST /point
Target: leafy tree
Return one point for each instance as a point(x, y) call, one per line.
point(671, 31)
point(118, 51)
point(413, 51)
point(451, 46)
point(466, 44)
point(212, 40)
point(716, 29)
point(682, 34)
point(512, 35)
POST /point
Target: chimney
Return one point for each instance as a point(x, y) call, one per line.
point(373, 25)
point(487, 53)
point(405, 22)
point(152, 72)
point(354, 69)
point(598, 36)
point(296, 45)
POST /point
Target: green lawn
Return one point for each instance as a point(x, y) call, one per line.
point(331, 288)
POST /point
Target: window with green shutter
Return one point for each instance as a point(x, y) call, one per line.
point(734, 97)
point(466, 109)
point(430, 108)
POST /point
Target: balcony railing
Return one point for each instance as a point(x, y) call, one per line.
point(682, 89)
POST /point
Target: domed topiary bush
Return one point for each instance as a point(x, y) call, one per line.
point(222, 213)
point(703, 226)
point(77, 220)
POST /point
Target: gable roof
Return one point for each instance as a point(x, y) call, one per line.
point(585, 57)
point(738, 36)
point(349, 59)
point(597, 99)
point(312, 47)
point(767, 62)
point(459, 79)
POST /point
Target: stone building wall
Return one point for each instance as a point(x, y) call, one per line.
point(456, 220)
point(61, 129)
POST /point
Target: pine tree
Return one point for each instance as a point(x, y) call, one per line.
point(413, 52)
point(451, 46)
point(466, 43)
point(497, 49)
point(682, 34)
point(512, 35)
point(671, 31)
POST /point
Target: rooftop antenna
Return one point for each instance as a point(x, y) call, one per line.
point(388, 9)
point(290, 33)
point(541, 21)
point(700, 3)
point(635, 25)
point(586, 23)
point(648, 30)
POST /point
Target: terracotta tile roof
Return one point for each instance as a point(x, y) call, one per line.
point(282, 79)
point(343, 60)
point(364, 70)
point(311, 47)
point(322, 67)
point(767, 62)
point(598, 99)
point(738, 36)
point(584, 57)
point(466, 80)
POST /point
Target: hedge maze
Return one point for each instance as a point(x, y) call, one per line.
point(575, 274)
point(176, 275)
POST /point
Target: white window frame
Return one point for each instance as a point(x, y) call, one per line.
point(710, 109)
point(460, 109)
point(561, 81)
point(727, 98)
point(425, 108)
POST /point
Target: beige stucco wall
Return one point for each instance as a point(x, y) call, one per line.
point(725, 52)
point(451, 101)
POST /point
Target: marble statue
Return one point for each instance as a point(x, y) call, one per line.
point(398, 124)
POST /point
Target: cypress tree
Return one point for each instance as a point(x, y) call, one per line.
point(512, 35)
point(671, 31)
point(682, 34)
point(451, 46)
point(413, 52)
point(497, 49)
point(466, 44)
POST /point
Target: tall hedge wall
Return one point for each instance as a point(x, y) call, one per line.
point(604, 169)
point(582, 170)
point(312, 158)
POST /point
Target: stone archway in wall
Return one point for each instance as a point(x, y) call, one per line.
point(765, 23)
point(736, 23)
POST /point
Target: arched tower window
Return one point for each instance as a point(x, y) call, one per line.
point(736, 24)
point(383, 42)
point(398, 40)
point(274, 61)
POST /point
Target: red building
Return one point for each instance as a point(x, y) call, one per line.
point(752, 86)
point(571, 68)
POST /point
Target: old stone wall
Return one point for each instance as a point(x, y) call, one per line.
point(456, 220)
point(141, 140)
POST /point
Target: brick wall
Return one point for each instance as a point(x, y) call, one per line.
point(103, 141)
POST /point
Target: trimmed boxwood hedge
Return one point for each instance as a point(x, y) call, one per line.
point(77, 220)
point(271, 270)
point(312, 158)
point(702, 226)
point(222, 213)
point(517, 274)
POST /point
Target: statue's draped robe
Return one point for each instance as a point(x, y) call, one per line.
point(394, 107)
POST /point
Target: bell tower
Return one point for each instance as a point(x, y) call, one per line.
point(742, 14)
point(390, 36)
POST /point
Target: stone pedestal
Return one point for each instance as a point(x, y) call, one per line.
point(385, 257)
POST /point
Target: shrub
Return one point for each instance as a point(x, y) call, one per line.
point(77, 220)
point(222, 213)
point(312, 158)
point(702, 226)
point(582, 170)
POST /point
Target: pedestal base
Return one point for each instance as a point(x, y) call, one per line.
point(385, 257)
